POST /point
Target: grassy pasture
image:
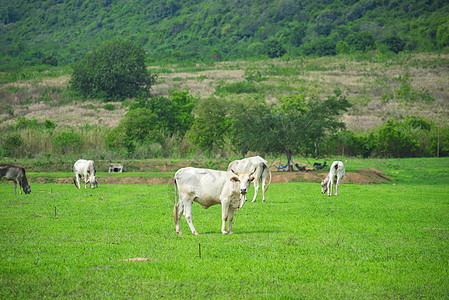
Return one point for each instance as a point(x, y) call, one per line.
point(372, 241)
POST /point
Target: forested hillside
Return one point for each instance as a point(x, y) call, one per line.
point(62, 31)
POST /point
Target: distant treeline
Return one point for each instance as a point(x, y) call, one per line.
point(166, 128)
point(62, 31)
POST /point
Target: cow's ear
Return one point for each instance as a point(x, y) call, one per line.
point(235, 179)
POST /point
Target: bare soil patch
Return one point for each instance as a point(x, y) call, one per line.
point(363, 176)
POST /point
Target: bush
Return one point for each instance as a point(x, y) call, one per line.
point(68, 142)
point(274, 48)
point(394, 43)
point(12, 145)
point(109, 107)
point(320, 47)
point(116, 70)
point(361, 41)
point(49, 124)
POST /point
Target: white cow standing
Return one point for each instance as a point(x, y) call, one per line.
point(261, 168)
point(210, 187)
point(85, 169)
point(336, 173)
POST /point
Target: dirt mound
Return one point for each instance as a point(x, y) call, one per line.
point(363, 176)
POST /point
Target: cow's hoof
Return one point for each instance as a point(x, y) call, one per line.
point(179, 232)
point(224, 233)
point(195, 233)
point(253, 201)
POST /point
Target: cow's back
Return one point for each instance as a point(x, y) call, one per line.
point(248, 164)
point(337, 167)
point(83, 165)
point(203, 185)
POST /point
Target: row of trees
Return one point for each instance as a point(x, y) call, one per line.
point(183, 127)
point(297, 126)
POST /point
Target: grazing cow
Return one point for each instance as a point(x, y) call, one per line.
point(261, 168)
point(17, 175)
point(336, 173)
point(210, 187)
point(85, 169)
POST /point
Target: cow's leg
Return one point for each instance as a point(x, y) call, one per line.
point(85, 180)
point(224, 215)
point(230, 218)
point(177, 213)
point(336, 186)
point(263, 188)
point(256, 189)
point(188, 216)
point(15, 187)
point(77, 179)
point(329, 188)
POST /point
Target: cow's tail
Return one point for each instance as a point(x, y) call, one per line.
point(175, 208)
point(269, 172)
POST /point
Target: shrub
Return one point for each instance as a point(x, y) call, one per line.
point(109, 107)
point(320, 47)
point(49, 124)
point(68, 142)
point(361, 41)
point(274, 48)
point(12, 144)
point(116, 70)
point(23, 122)
point(394, 43)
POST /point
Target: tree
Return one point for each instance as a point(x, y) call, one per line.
point(116, 70)
point(361, 41)
point(68, 142)
point(210, 125)
point(297, 125)
point(394, 43)
point(394, 142)
point(273, 48)
point(138, 126)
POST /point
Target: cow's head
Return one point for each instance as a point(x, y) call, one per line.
point(244, 180)
point(25, 186)
point(324, 185)
point(92, 181)
point(27, 189)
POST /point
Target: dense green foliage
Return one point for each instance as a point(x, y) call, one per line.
point(370, 242)
point(116, 70)
point(412, 137)
point(149, 121)
point(61, 31)
point(183, 126)
point(296, 126)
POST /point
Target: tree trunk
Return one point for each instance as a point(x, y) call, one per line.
point(289, 160)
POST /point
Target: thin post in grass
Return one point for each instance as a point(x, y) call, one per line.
point(55, 211)
point(199, 250)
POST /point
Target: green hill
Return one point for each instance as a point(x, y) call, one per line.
point(62, 31)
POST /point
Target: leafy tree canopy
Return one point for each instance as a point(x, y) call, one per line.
point(116, 70)
point(298, 125)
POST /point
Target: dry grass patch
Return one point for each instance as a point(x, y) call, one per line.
point(365, 83)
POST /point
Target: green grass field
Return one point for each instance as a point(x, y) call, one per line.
point(372, 241)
